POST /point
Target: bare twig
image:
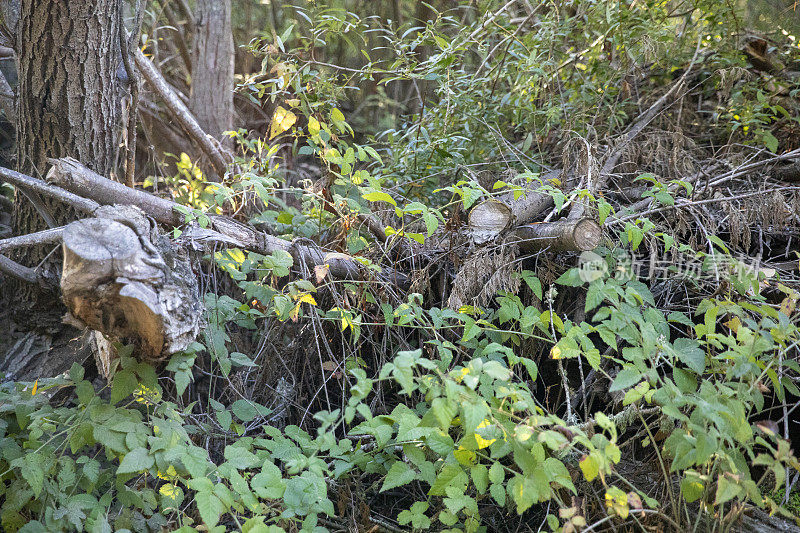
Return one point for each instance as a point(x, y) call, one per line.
point(48, 236)
point(12, 268)
point(126, 48)
point(579, 208)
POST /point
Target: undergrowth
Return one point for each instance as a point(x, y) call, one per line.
point(546, 394)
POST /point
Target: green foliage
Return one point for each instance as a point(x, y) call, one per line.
point(453, 413)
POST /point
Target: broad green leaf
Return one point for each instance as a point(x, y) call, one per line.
point(627, 377)
point(399, 474)
point(379, 196)
point(137, 460)
point(210, 507)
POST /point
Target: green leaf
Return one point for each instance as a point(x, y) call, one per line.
point(32, 470)
point(627, 377)
point(379, 196)
point(571, 278)
point(241, 359)
point(247, 411)
point(692, 488)
point(496, 473)
point(450, 476)
point(137, 460)
point(124, 384)
point(688, 352)
point(416, 516)
point(240, 458)
point(685, 381)
point(444, 411)
point(726, 490)
point(770, 141)
point(399, 474)
point(498, 492)
point(480, 478)
point(210, 507)
point(268, 483)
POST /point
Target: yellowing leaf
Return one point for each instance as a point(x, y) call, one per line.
point(313, 126)
point(465, 457)
point(589, 467)
point(460, 375)
point(555, 352)
point(35, 387)
point(171, 473)
point(170, 491)
point(483, 443)
point(307, 298)
point(617, 502)
point(733, 324)
point(282, 120)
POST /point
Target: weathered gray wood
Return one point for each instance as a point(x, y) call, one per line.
point(74, 177)
point(115, 281)
point(489, 219)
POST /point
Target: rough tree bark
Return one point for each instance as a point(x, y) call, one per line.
point(211, 99)
point(68, 105)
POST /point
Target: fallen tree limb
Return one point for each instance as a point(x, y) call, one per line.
point(32, 184)
point(48, 236)
point(14, 269)
point(76, 178)
point(489, 219)
point(219, 157)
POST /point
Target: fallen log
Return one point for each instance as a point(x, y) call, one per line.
point(72, 176)
point(560, 236)
point(489, 219)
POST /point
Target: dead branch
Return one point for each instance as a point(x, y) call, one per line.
point(579, 208)
point(219, 157)
point(14, 269)
point(73, 176)
point(48, 236)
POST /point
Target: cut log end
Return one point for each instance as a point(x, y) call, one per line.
point(586, 235)
point(116, 283)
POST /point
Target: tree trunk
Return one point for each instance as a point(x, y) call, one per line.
point(68, 56)
point(211, 100)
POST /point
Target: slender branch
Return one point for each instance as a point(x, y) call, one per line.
point(48, 236)
point(688, 204)
point(126, 48)
point(38, 186)
point(219, 157)
point(12, 268)
point(579, 208)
